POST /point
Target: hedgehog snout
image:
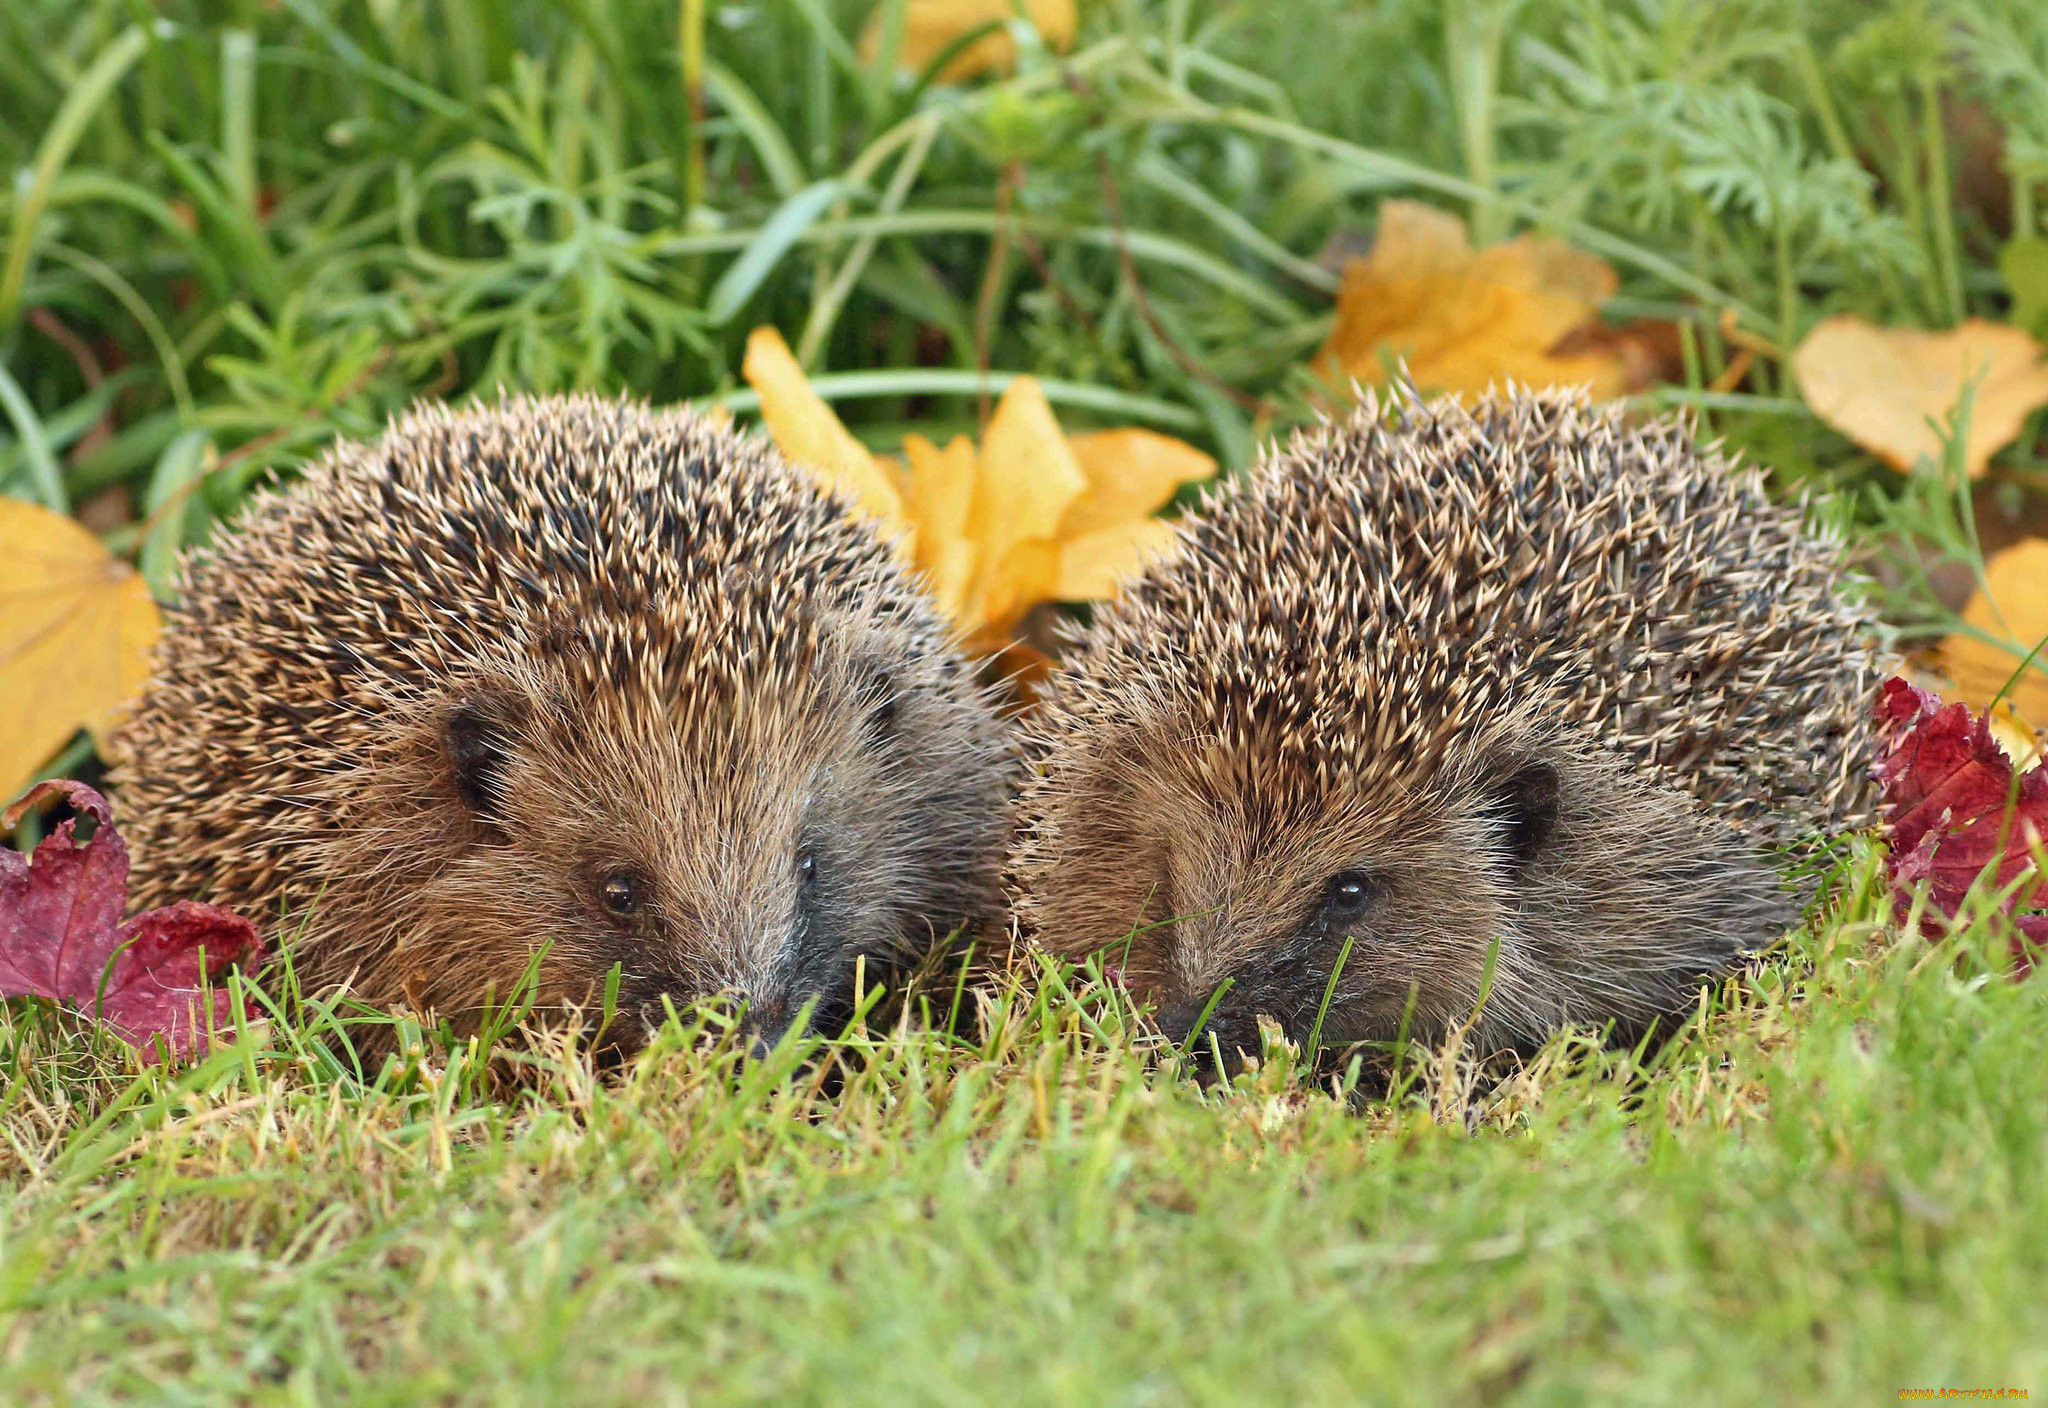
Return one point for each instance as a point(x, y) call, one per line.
point(1193, 1024)
point(766, 1023)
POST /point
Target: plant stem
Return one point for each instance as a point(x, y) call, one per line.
point(825, 311)
point(991, 287)
point(1788, 298)
point(1807, 65)
point(1939, 213)
point(691, 43)
point(1472, 58)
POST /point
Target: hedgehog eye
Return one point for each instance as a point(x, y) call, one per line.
point(619, 893)
point(806, 876)
point(1347, 894)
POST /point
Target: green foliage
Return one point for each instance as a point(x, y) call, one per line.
point(281, 221)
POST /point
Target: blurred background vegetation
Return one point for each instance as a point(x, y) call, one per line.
point(236, 230)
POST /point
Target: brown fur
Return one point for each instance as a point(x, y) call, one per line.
point(1529, 686)
point(424, 709)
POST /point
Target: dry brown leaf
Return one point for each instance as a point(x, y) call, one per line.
point(1463, 320)
point(1031, 515)
point(1888, 389)
point(2015, 611)
point(76, 628)
point(931, 26)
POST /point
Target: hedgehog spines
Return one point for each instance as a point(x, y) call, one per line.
point(649, 616)
point(1364, 643)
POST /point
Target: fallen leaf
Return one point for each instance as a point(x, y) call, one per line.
point(1466, 320)
point(2014, 610)
point(1031, 515)
point(941, 497)
point(1025, 482)
point(1108, 534)
point(1091, 567)
point(1892, 390)
point(2016, 738)
point(76, 628)
point(1955, 810)
point(930, 27)
point(1647, 351)
point(811, 435)
point(159, 978)
point(1131, 474)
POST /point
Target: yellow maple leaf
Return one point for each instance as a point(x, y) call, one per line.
point(930, 27)
point(2014, 610)
point(1030, 515)
point(1888, 389)
point(76, 628)
point(1465, 320)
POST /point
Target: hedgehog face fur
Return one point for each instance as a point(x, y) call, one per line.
point(568, 673)
point(1521, 688)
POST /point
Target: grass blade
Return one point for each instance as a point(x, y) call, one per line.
point(938, 381)
point(784, 228)
point(784, 168)
point(65, 129)
point(35, 445)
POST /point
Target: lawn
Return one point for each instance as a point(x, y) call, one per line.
point(239, 230)
point(1827, 1191)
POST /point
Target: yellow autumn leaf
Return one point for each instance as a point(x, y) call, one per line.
point(811, 435)
point(930, 27)
point(1027, 476)
point(2015, 610)
point(1092, 565)
point(1131, 473)
point(2013, 734)
point(1008, 587)
point(941, 497)
point(1030, 515)
point(1465, 320)
point(1888, 389)
point(76, 628)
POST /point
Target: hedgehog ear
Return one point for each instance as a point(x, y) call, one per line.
point(881, 698)
point(1528, 797)
point(477, 735)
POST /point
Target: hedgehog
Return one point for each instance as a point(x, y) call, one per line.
point(609, 692)
point(1507, 719)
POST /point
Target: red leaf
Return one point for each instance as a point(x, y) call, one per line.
point(156, 985)
point(1954, 810)
point(61, 934)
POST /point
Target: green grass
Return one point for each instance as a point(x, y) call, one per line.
point(1829, 1190)
point(241, 229)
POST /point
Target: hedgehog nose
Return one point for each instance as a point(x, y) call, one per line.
point(1177, 1022)
point(1183, 1020)
point(766, 1024)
